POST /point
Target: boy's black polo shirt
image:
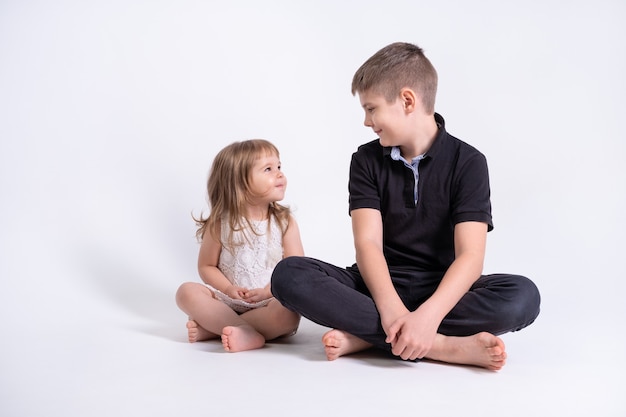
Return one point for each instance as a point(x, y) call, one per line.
point(453, 187)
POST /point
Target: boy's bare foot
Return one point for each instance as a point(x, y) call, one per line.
point(482, 349)
point(338, 343)
point(240, 338)
point(197, 333)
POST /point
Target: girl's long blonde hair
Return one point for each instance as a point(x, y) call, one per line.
point(228, 189)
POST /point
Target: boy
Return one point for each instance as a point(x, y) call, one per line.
point(420, 209)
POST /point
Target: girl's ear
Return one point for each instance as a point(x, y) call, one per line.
point(409, 99)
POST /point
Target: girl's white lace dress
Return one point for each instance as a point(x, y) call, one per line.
point(250, 262)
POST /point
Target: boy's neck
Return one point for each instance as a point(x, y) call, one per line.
point(426, 130)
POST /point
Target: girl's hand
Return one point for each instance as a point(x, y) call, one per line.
point(235, 292)
point(257, 294)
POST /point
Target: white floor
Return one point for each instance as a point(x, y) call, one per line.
point(111, 111)
point(128, 356)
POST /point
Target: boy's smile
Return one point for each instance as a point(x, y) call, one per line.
point(402, 123)
point(384, 118)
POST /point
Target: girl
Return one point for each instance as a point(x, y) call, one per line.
point(245, 235)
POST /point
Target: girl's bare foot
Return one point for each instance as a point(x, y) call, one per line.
point(197, 333)
point(240, 338)
point(482, 349)
point(338, 343)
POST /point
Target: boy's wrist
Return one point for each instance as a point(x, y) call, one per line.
point(393, 308)
point(432, 310)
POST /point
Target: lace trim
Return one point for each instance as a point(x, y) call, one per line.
point(251, 262)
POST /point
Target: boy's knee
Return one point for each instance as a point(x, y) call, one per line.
point(284, 276)
point(280, 275)
point(530, 293)
point(528, 301)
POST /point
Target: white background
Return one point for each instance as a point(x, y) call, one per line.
point(112, 111)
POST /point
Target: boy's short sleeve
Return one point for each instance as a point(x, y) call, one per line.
point(363, 192)
point(471, 192)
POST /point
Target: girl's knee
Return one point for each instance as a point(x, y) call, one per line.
point(186, 291)
point(290, 320)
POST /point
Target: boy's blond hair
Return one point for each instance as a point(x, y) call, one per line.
point(397, 66)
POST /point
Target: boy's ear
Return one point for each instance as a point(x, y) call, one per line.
point(409, 99)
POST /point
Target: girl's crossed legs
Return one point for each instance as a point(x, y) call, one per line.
point(210, 318)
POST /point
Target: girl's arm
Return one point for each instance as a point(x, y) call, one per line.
point(208, 259)
point(292, 244)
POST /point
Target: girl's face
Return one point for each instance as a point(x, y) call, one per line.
point(267, 182)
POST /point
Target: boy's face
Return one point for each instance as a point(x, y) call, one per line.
point(387, 120)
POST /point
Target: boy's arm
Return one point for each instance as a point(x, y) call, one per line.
point(412, 335)
point(367, 228)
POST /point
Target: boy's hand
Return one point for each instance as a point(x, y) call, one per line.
point(257, 294)
point(412, 335)
point(388, 316)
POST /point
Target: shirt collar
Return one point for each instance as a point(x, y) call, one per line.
point(394, 151)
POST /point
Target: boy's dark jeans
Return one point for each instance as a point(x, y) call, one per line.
point(338, 298)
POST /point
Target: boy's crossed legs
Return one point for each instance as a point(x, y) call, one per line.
point(482, 349)
point(337, 298)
